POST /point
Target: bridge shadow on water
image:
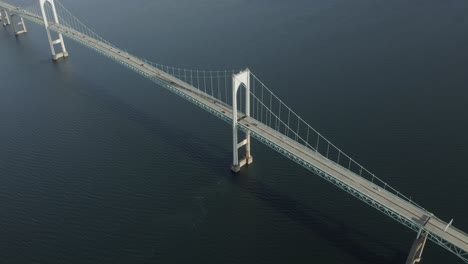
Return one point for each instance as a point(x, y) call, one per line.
point(371, 249)
point(365, 248)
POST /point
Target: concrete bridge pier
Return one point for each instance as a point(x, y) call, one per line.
point(21, 24)
point(5, 17)
point(416, 251)
point(238, 80)
point(59, 40)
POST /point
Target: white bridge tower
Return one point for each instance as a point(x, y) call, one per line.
point(59, 40)
point(4, 17)
point(238, 80)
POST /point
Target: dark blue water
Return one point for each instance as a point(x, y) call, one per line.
point(98, 165)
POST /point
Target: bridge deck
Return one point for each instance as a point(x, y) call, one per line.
point(412, 213)
point(389, 200)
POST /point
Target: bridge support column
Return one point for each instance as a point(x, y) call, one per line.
point(242, 78)
point(5, 17)
point(416, 251)
point(59, 40)
point(20, 23)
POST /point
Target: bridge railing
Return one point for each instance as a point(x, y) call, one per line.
point(217, 84)
point(268, 109)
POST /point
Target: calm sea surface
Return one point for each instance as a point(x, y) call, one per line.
point(99, 165)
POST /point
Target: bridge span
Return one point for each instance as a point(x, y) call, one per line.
point(269, 128)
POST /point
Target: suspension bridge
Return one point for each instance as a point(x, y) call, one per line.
point(242, 100)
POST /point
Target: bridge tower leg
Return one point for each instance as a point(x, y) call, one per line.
point(6, 20)
point(416, 251)
point(59, 40)
point(242, 78)
point(20, 23)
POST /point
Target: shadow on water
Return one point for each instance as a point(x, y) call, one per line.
point(364, 247)
point(176, 137)
point(345, 237)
